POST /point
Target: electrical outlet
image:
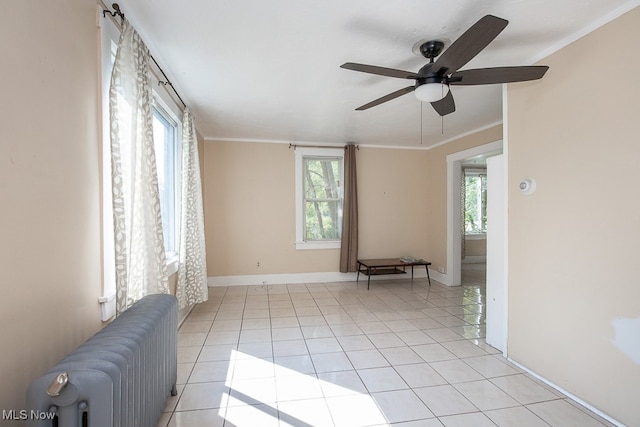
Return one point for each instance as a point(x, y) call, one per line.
point(258, 264)
point(440, 269)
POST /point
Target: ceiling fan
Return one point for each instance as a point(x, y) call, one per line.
point(433, 80)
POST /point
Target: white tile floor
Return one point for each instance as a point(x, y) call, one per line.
point(336, 354)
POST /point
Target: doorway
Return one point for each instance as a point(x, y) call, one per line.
point(455, 162)
point(492, 272)
point(473, 221)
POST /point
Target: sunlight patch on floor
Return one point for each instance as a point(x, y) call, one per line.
point(254, 401)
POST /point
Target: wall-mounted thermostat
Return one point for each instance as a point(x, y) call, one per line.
point(527, 185)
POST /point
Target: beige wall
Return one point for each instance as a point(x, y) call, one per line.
point(437, 190)
point(49, 180)
point(49, 189)
point(249, 212)
point(475, 247)
point(392, 203)
point(250, 206)
point(250, 209)
point(573, 268)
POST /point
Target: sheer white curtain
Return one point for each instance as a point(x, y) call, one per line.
point(139, 245)
point(192, 266)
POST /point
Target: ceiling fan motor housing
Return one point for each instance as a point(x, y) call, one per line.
point(432, 78)
point(431, 49)
point(438, 81)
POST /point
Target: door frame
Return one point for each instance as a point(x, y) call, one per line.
point(454, 208)
point(496, 288)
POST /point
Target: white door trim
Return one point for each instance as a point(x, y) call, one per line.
point(496, 321)
point(453, 276)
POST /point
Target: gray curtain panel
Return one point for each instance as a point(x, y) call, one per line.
point(349, 243)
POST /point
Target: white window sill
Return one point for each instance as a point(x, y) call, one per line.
point(108, 302)
point(476, 236)
point(107, 306)
point(333, 244)
point(172, 263)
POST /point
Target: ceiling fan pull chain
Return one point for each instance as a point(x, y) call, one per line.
point(421, 126)
point(442, 116)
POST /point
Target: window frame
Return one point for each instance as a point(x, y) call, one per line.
point(300, 154)
point(479, 172)
point(109, 35)
point(169, 115)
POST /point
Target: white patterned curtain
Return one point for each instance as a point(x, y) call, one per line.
point(139, 246)
point(192, 266)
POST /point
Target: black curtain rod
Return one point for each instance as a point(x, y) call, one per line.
point(167, 82)
point(294, 146)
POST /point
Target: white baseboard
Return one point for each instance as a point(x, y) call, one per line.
point(474, 259)
point(442, 278)
point(286, 278)
point(566, 393)
point(319, 277)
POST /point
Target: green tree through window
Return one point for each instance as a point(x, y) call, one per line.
point(475, 215)
point(322, 198)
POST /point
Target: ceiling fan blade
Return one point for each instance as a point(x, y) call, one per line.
point(469, 44)
point(386, 98)
point(445, 106)
point(487, 76)
point(380, 71)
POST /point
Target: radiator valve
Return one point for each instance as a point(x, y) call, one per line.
point(58, 384)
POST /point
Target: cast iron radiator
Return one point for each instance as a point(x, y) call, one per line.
point(120, 377)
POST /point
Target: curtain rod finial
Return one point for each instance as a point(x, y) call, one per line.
point(116, 8)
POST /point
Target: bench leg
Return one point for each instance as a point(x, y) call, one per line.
point(428, 277)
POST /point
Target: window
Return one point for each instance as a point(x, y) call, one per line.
point(319, 198)
point(475, 201)
point(322, 202)
point(165, 139)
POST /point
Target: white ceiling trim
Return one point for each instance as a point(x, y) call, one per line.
point(462, 135)
point(274, 141)
point(333, 144)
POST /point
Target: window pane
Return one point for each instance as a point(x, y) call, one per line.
point(323, 220)
point(322, 178)
point(475, 218)
point(322, 198)
point(164, 139)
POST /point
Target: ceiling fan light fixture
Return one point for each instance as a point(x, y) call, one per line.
point(431, 92)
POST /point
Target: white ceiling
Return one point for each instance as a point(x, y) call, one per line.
point(270, 70)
